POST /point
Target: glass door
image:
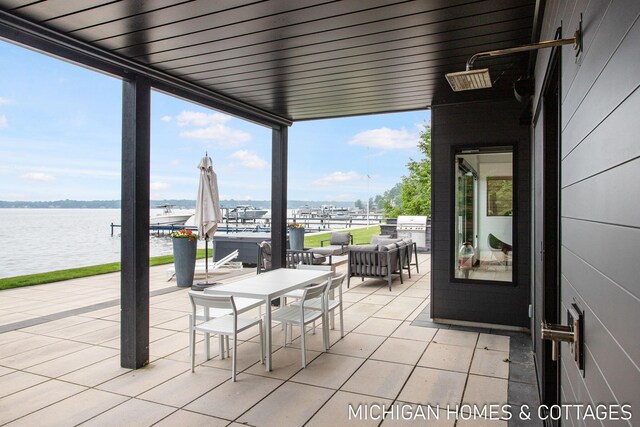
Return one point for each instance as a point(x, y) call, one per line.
point(484, 215)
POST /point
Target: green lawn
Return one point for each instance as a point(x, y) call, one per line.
point(362, 235)
point(75, 273)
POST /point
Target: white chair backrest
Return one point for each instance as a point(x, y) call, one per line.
point(314, 267)
point(336, 282)
point(212, 301)
point(314, 291)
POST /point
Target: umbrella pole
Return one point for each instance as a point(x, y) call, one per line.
point(206, 259)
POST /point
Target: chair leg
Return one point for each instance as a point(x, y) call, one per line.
point(341, 322)
point(233, 356)
point(261, 343)
point(207, 352)
point(285, 332)
point(303, 347)
point(325, 329)
point(227, 339)
point(192, 340)
point(221, 347)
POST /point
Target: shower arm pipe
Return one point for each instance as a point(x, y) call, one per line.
point(576, 40)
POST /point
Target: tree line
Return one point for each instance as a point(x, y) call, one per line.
point(412, 195)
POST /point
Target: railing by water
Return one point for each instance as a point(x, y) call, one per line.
point(262, 225)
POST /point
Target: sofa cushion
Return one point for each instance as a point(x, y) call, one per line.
point(318, 259)
point(386, 242)
point(340, 238)
point(374, 238)
point(266, 255)
point(331, 250)
point(362, 248)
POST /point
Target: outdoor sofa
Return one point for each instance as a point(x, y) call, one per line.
point(381, 259)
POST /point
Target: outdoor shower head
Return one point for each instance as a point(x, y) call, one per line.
point(479, 79)
point(469, 80)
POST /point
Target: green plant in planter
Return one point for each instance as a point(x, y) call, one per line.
point(184, 234)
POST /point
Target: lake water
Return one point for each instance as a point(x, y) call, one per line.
point(41, 240)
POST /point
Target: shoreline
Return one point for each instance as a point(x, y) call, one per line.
point(361, 235)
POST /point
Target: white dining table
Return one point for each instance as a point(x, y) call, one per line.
point(269, 286)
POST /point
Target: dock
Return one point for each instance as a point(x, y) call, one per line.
point(263, 225)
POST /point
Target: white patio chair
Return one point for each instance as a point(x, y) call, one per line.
point(228, 325)
point(301, 315)
point(297, 293)
point(331, 303)
point(242, 305)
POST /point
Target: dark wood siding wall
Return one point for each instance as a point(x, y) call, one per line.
point(600, 195)
point(488, 123)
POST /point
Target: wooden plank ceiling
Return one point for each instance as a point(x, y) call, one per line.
point(302, 59)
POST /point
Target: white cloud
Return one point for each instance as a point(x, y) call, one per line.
point(94, 173)
point(5, 101)
point(220, 133)
point(166, 119)
point(385, 139)
point(211, 127)
point(193, 118)
point(37, 176)
point(157, 186)
point(3, 122)
point(249, 159)
point(337, 178)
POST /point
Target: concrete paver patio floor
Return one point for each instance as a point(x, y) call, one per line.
point(60, 364)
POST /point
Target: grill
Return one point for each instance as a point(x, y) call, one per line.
point(416, 228)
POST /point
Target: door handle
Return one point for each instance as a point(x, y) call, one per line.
point(556, 333)
point(572, 333)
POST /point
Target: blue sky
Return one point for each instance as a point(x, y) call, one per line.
point(60, 135)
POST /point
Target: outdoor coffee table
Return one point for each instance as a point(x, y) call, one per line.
point(337, 261)
point(269, 286)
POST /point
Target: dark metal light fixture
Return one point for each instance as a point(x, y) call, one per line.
point(479, 79)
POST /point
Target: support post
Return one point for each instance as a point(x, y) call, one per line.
point(134, 275)
point(279, 156)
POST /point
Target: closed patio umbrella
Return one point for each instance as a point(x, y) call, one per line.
point(207, 207)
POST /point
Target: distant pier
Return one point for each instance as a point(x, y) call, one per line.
point(263, 225)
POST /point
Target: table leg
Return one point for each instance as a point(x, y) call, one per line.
point(267, 335)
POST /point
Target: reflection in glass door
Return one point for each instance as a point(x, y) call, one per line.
point(466, 202)
point(484, 215)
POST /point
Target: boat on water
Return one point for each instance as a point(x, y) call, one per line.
point(168, 217)
point(334, 211)
point(245, 212)
point(305, 210)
